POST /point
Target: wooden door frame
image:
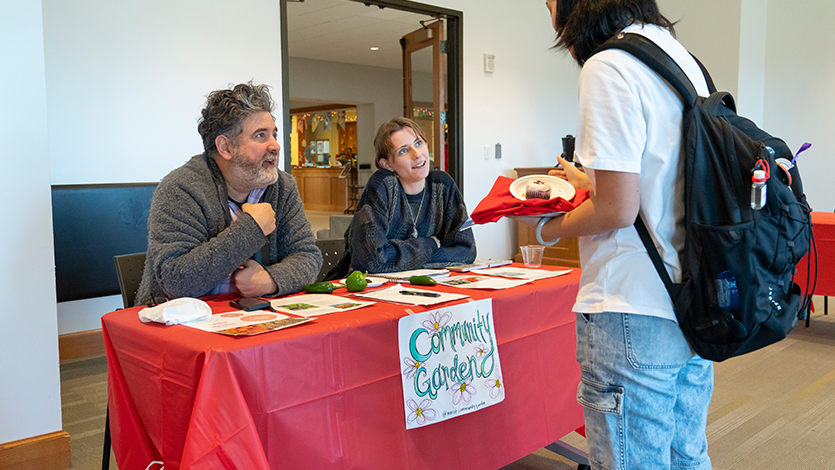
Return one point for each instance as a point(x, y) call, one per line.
point(455, 77)
point(411, 43)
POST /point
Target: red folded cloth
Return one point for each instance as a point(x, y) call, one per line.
point(500, 202)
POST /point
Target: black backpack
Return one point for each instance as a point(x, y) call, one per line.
point(737, 292)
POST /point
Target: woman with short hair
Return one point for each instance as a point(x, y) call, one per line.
point(408, 216)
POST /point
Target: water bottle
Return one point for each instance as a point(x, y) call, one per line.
point(758, 190)
point(727, 295)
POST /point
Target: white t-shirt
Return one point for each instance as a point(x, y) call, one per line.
point(629, 120)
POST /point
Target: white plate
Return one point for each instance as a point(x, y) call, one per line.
point(559, 186)
point(372, 281)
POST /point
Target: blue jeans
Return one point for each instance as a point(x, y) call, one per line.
point(644, 393)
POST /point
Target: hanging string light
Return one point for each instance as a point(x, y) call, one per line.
point(422, 112)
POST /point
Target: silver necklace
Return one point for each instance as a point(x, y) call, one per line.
point(414, 219)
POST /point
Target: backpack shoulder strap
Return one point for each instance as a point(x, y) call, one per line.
point(646, 238)
point(656, 59)
point(710, 86)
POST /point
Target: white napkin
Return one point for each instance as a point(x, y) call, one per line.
point(173, 312)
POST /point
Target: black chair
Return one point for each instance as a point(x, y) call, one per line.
point(332, 249)
point(129, 271)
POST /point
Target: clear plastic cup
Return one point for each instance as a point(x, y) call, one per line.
point(532, 255)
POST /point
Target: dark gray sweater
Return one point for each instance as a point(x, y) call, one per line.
point(193, 243)
point(379, 238)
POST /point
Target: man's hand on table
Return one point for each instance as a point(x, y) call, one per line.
point(263, 214)
point(253, 280)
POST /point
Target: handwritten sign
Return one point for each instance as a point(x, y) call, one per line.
point(449, 363)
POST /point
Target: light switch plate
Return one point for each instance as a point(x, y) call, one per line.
point(489, 63)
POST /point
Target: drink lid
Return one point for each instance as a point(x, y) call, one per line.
point(759, 176)
point(784, 162)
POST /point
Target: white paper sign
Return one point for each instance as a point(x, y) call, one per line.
point(240, 323)
point(481, 282)
point(410, 296)
point(449, 362)
point(523, 273)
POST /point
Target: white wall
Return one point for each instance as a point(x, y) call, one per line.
point(126, 80)
point(776, 58)
point(752, 40)
point(30, 394)
point(709, 29)
point(125, 83)
point(528, 104)
point(800, 89)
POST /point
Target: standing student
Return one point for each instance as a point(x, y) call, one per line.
point(644, 392)
point(408, 216)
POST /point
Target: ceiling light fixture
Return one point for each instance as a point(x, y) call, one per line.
point(375, 48)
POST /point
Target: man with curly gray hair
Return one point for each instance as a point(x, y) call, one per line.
point(228, 220)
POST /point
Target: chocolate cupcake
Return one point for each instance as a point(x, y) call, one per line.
point(538, 190)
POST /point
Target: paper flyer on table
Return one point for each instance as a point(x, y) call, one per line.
point(449, 363)
point(479, 264)
point(312, 305)
point(410, 296)
point(482, 282)
point(403, 276)
point(240, 323)
point(523, 273)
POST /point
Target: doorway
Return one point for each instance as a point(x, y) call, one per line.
point(424, 87)
point(329, 40)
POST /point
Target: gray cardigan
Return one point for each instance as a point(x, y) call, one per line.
point(193, 243)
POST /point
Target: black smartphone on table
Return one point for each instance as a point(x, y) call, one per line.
point(249, 304)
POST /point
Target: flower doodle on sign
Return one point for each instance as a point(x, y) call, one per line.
point(495, 386)
point(437, 321)
point(412, 367)
point(481, 350)
point(463, 392)
point(421, 413)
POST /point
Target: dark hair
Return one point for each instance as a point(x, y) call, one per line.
point(226, 111)
point(585, 25)
point(382, 142)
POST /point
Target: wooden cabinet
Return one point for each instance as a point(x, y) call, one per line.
point(321, 189)
point(348, 138)
point(564, 253)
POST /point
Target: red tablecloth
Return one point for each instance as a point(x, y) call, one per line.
point(328, 394)
point(823, 228)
